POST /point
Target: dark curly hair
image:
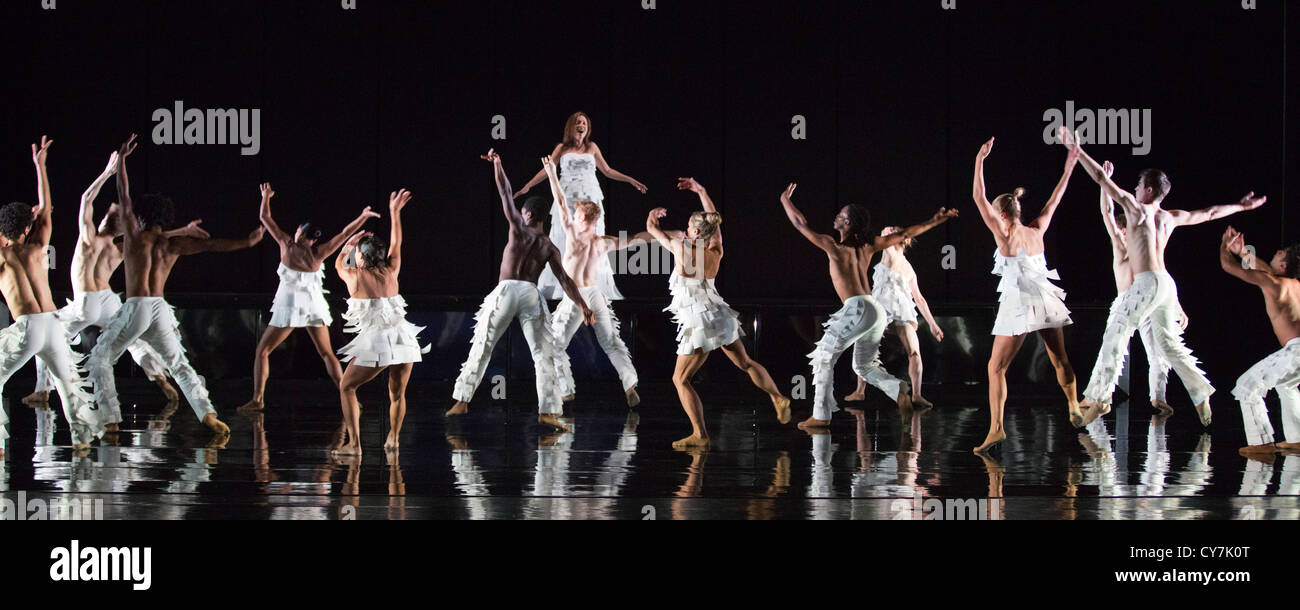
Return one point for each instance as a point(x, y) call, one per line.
point(859, 225)
point(373, 252)
point(538, 206)
point(1292, 262)
point(14, 219)
point(154, 209)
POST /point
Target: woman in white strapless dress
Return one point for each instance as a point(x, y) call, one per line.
point(1029, 302)
point(578, 159)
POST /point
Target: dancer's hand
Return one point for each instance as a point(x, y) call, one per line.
point(689, 184)
point(944, 214)
point(491, 156)
point(788, 193)
point(352, 241)
point(126, 149)
point(1250, 201)
point(39, 154)
point(267, 191)
point(588, 316)
point(111, 168)
point(192, 230)
point(398, 200)
point(1070, 139)
point(521, 192)
point(369, 213)
point(655, 215)
point(549, 167)
point(1107, 168)
point(639, 187)
point(985, 149)
point(937, 332)
point(256, 236)
point(1233, 241)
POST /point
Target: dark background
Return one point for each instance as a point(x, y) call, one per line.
point(898, 96)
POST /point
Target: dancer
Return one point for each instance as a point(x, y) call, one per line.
point(579, 158)
point(1153, 294)
point(1276, 279)
point(527, 251)
point(704, 321)
point(377, 314)
point(37, 330)
point(894, 285)
point(1157, 366)
point(149, 255)
point(300, 299)
point(584, 251)
point(861, 318)
point(96, 257)
point(1030, 303)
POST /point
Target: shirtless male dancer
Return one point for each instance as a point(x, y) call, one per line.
point(861, 317)
point(1280, 370)
point(528, 250)
point(148, 256)
point(1153, 294)
point(37, 331)
point(300, 299)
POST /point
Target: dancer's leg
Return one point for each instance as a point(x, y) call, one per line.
point(1157, 367)
point(867, 365)
point(272, 337)
point(760, 378)
point(1004, 351)
point(18, 350)
point(320, 337)
point(354, 377)
point(541, 344)
point(858, 318)
point(1289, 395)
point(1125, 317)
point(1169, 342)
point(398, 377)
point(163, 335)
point(492, 319)
point(1054, 340)
point(84, 421)
point(1279, 370)
point(124, 328)
point(606, 328)
point(912, 345)
point(44, 381)
point(683, 375)
point(564, 324)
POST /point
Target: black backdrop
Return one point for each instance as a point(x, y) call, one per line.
point(898, 96)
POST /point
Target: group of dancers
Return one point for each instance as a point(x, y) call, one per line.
point(571, 263)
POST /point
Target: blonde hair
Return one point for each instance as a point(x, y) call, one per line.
point(590, 210)
point(706, 222)
point(1009, 203)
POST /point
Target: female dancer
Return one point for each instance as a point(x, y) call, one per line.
point(377, 314)
point(704, 321)
point(1029, 301)
point(578, 159)
point(894, 285)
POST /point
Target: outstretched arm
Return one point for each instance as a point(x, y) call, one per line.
point(541, 174)
point(924, 306)
point(612, 243)
point(1230, 248)
point(190, 230)
point(41, 225)
point(893, 239)
point(980, 193)
point(503, 189)
point(823, 241)
point(1045, 217)
point(264, 215)
point(1195, 217)
point(612, 173)
point(129, 225)
point(86, 216)
point(397, 201)
point(567, 284)
point(191, 245)
point(337, 241)
point(1094, 169)
point(566, 217)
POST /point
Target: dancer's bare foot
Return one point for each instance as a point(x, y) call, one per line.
point(782, 405)
point(110, 428)
point(1163, 407)
point(166, 388)
point(1258, 450)
point(994, 437)
point(80, 447)
point(348, 449)
point(856, 396)
point(813, 422)
point(460, 408)
point(1077, 417)
point(633, 399)
point(457, 442)
point(1091, 412)
point(218, 441)
point(210, 420)
point(920, 402)
point(550, 440)
point(553, 420)
point(392, 443)
point(37, 399)
point(693, 441)
point(1203, 412)
point(251, 406)
point(1288, 446)
point(904, 400)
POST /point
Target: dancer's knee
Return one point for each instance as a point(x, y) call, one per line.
point(682, 380)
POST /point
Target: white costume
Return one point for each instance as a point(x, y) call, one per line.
point(152, 321)
point(1029, 301)
point(567, 321)
point(1152, 296)
point(384, 337)
point(578, 180)
point(894, 293)
point(704, 321)
point(1279, 371)
point(513, 299)
point(43, 336)
point(860, 324)
point(300, 299)
point(1158, 367)
point(88, 309)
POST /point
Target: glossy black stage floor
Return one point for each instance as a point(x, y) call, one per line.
point(618, 464)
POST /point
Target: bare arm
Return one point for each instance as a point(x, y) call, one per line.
point(503, 189)
point(1195, 217)
point(264, 215)
point(184, 246)
point(129, 224)
point(1045, 217)
point(1094, 169)
point(541, 174)
point(337, 241)
point(893, 239)
point(190, 230)
point(397, 201)
point(566, 217)
point(1229, 250)
point(613, 243)
point(825, 242)
point(86, 216)
point(689, 184)
point(41, 225)
point(1108, 211)
point(652, 227)
point(567, 284)
point(924, 306)
point(612, 173)
point(980, 193)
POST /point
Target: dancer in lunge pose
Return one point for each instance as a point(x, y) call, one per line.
point(704, 321)
point(893, 284)
point(527, 251)
point(300, 299)
point(861, 319)
point(1153, 294)
point(584, 251)
point(1280, 371)
point(377, 314)
point(1030, 303)
point(578, 159)
point(37, 331)
point(148, 256)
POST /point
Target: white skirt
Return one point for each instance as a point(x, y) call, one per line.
point(1029, 300)
point(704, 321)
point(300, 299)
point(894, 294)
point(384, 337)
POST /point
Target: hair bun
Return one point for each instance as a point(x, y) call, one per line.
point(1018, 193)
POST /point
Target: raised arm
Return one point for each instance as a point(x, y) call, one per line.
point(397, 201)
point(41, 225)
point(1230, 248)
point(1094, 169)
point(1108, 210)
point(689, 184)
point(612, 173)
point(184, 246)
point(541, 174)
point(893, 239)
point(503, 189)
point(129, 225)
point(1045, 217)
point(1195, 217)
point(823, 241)
point(566, 217)
point(264, 215)
point(980, 193)
point(86, 215)
point(652, 227)
point(337, 241)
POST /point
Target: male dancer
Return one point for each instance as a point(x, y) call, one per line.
point(1281, 370)
point(95, 259)
point(300, 299)
point(1158, 368)
point(149, 255)
point(36, 331)
point(583, 252)
point(528, 250)
point(1153, 295)
point(861, 318)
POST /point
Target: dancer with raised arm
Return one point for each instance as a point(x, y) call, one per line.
point(149, 253)
point(1153, 294)
point(1280, 371)
point(1158, 367)
point(584, 251)
point(893, 283)
point(37, 331)
point(300, 299)
point(861, 319)
point(704, 321)
point(377, 315)
point(578, 159)
point(97, 256)
point(1029, 303)
point(516, 296)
